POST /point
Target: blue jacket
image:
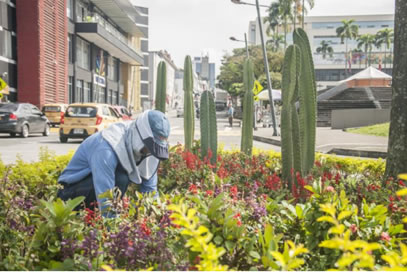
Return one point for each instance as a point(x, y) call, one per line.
point(95, 156)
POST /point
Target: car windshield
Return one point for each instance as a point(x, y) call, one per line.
point(81, 111)
point(8, 107)
point(51, 108)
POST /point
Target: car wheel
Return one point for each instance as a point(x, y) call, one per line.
point(63, 139)
point(12, 134)
point(24, 131)
point(46, 130)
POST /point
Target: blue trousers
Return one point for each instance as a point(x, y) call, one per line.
point(85, 187)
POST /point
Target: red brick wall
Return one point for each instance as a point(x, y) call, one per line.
point(42, 51)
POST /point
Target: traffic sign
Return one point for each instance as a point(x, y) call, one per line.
point(257, 88)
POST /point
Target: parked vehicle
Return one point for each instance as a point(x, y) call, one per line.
point(123, 112)
point(82, 120)
point(22, 119)
point(54, 112)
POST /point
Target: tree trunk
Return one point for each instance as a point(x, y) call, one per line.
point(397, 149)
point(346, 58)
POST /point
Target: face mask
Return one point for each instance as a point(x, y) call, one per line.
point(148, 167)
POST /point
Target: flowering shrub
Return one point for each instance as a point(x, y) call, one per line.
point(237, 214)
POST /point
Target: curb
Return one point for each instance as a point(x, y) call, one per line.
point(358, 153)
point(267, 140)
point(336, 151)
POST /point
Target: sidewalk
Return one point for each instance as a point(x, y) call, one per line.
point(336, 141)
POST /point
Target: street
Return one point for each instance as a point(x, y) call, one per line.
point(28, 149)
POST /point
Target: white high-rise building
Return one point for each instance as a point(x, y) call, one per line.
point(331, 68)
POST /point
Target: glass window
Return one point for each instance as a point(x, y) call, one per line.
point(109, 99)
point(6, 44)
point(112, 69)
point(79, 91)
point(114, 98)
point(82, 53)
point(113, 113)
point(70, 48)
point(81, 11)
point(106, 111)
point(88, 92)
point(69, 9)
point(81, 111)
point(70, 90)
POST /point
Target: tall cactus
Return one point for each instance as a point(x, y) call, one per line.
point(161, 91)
point(209, 133)
point(189, 121)
point(290, 139)
point(298, 131)
point(308, 103)
point(248, 105)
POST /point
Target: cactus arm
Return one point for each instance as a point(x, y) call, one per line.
point(188, 104)
point(248, 103)
point(208, 126)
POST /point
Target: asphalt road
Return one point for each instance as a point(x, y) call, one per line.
point(28, 149)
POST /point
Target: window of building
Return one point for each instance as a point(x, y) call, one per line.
point(88, 92)
point(6, 44)
point(69, 9)
point(70, 48)
point(81, 11)
point(79, 91)
point(115, 98)
point(109, 97)
point(82, 53)
point(70, 90)
point(112, 69)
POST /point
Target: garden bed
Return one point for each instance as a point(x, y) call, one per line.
point(237, 215)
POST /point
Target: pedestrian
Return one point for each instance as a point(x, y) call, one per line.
point(121, 154)
point(230, 114)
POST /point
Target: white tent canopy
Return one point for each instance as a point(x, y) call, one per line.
point(368, 73)
point(264, 95)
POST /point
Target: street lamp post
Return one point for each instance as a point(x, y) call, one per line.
point(266, 63)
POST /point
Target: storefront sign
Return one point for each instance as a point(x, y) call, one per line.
point(99, 80)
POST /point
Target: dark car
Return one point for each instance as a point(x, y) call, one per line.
point(23, 119)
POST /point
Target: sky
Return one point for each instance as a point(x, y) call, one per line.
point(197, 27)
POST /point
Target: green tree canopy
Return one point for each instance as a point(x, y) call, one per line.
point(231, 70)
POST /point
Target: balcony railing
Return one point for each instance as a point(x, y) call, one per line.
point(96, 18)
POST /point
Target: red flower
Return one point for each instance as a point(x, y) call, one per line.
point(385, 237)
point(222, 172)
point(273, 182)
point(236, 216)
point(193, 189)
point(318, 164)
point(209, 193)
point(145, 228)
point(233, 191)
point(401, 183)
point(337, 178)
point(238, 222)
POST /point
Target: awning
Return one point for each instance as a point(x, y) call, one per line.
point(96, 34)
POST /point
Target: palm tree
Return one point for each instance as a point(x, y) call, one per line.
point(385, 36)
point(275, 42)
point(286, 13)
point(347, 31)
point(367, 41)
point(325, 49)
point(273, 18)
point(311, 4)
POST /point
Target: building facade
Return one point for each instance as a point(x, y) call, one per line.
point(143, 22)
point(78, 51)
point(8, 48)
point(205, 70)
point(330, 68)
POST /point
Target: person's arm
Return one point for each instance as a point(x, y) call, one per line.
point(103, 165)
